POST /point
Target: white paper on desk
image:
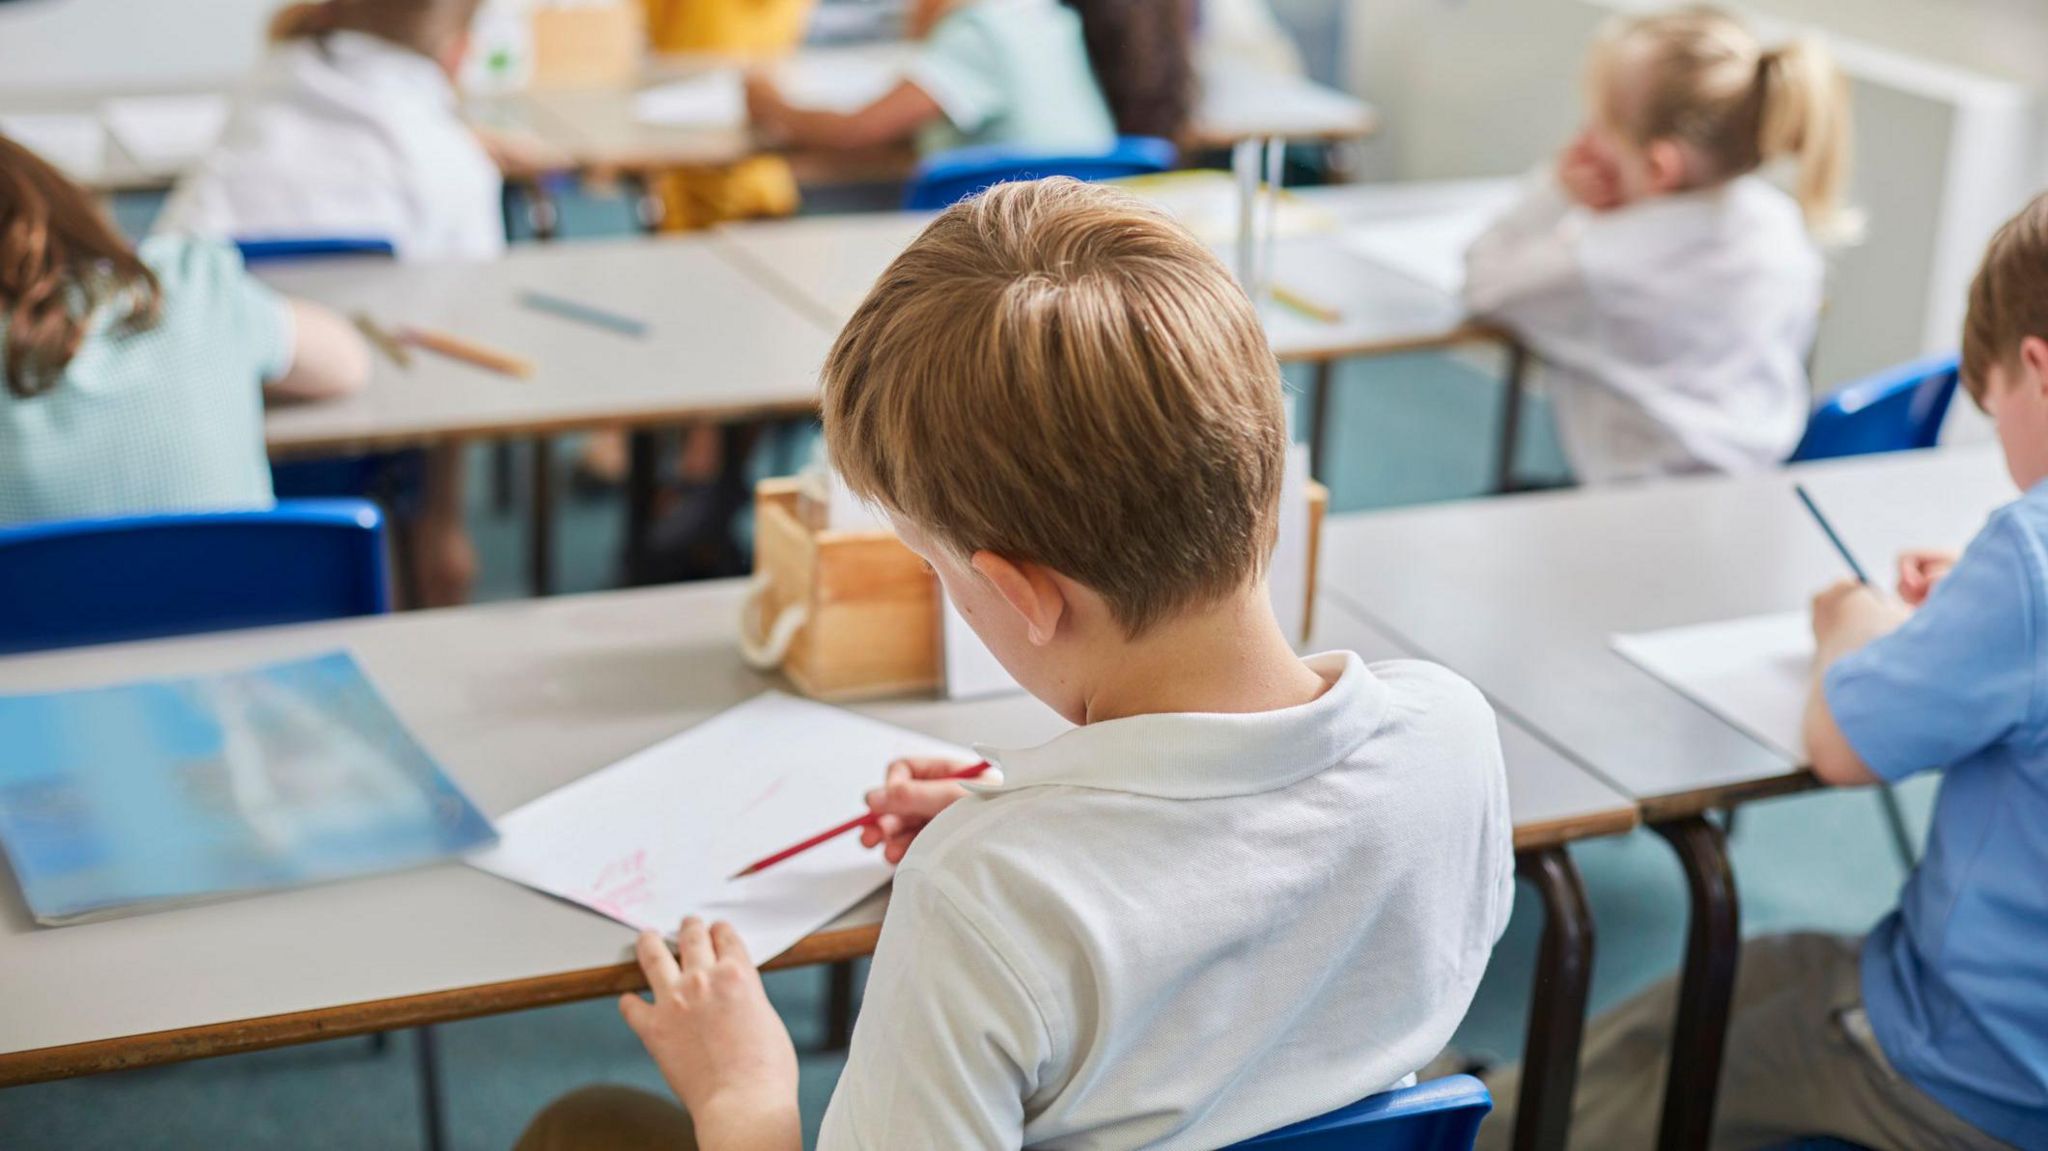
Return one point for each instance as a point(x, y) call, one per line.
point(75, 142)
point(655, 836)
point(712, 100)
point(1428, 248)
point(1754, 673)
point(972, 670)
point(167, 131)
point(837, 81)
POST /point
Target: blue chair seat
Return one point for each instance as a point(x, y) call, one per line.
point(1895, 411)
point(952, 176)
point(274, 249)
point(1440, 1115)
point(70, 582)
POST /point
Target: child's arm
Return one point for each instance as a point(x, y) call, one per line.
point(914, 792)
point(717, 1039)
point(1526, 262)
point(895, 116)
point(1896, 692)
point(329, 358)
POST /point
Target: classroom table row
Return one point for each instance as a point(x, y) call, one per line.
point(516, 700)
point(1524, 596)
point(600, 130)
point(738, 322)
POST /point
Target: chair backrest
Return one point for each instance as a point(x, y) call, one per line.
point(276, 249)
point(70, 582)
point(1894, 411)
point(1440, 1115)
point(952, 176)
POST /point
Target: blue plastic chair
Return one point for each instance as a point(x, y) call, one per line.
point(69, 582)
point(1440, 1115)
point(949, 177)
point(274, 249)
point(1894, 411)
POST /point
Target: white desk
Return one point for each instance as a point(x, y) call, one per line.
point(514, 700)
point(1521, 595)
point(719, 346)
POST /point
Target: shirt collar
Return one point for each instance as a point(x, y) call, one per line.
point(1205, 755)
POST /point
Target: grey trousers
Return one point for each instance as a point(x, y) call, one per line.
point(1801, 1060)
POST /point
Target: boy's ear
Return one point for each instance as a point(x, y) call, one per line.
point(2033, 361)
point(1667, 166)
point(1029, 589)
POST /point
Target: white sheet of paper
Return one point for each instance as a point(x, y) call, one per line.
point(846, 512)
point(971, 668)
point(1287, 575)
point(655, 836)
point(75, 142)
point(712, 100)
point(164, 132)
point(1428, 248)
point(837, 81)
point(1753, 673)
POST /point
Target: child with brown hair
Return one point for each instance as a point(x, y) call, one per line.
point(1670, 291)
point(134, 380)
point(1247, 888)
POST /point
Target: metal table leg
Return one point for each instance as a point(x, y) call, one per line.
point(642, 478)
point(1510, 419)
point(1557, 1005)
point(540, 557)
point(1706, 988)
point(434, 1126)
point(839, 1006)
point(1319, 417)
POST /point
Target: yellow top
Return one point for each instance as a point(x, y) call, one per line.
point(739, 27)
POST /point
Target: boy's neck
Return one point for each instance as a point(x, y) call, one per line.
point(1230, 658)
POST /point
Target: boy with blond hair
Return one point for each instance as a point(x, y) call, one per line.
point(1931, 1031)
point(1248, 888)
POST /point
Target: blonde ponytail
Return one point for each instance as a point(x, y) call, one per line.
point(1804, 115)
point(1698, 76)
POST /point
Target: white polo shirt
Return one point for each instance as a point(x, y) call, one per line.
point(1180, 931)
point(347, 135)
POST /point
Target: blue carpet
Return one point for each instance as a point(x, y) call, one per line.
point(1404, 430)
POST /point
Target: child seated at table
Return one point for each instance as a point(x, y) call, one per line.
point(135, 379)
point(352, 128)
point(1931, 1031)
point(1249, 888)
point(1029, 74)
point(1670, 291)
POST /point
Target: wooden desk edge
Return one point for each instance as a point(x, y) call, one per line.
point(1687, 804)
point(1573, 828)
point(230, 1038)
point(287, 446)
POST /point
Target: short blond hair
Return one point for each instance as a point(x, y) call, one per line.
point(1058, 372)
point(1700, 77)
point(2009, 297)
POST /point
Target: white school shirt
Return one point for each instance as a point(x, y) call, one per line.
point(1180, 931)
point(347, 135)
point(1673, 332)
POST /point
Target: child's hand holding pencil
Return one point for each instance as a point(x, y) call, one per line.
point(912, 794)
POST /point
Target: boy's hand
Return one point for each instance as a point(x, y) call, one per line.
point(915, 790)
point(716, 1038)
point(1849, 615)
point(1920, 570)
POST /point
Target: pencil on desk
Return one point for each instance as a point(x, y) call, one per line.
point(1294, 301)
point(455, 348)
point(381, 338)
point(831, 833)
point(582, 312)
point(1848, 556)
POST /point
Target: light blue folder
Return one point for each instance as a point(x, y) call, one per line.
point(123, 799)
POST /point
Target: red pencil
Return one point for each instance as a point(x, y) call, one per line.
point(867, 820)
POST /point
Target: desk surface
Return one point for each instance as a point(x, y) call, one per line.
point(719, 345)
point(515, 700)
point(826, 264)
point(1522, 595)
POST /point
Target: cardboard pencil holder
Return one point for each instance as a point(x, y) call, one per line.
point(855, 614)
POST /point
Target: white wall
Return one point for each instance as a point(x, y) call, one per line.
point(52, 44)
point(1944, 153)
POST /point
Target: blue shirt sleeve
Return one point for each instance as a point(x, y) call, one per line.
point(1959, 676)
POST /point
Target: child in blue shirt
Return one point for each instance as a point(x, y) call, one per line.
point(1932, 1031)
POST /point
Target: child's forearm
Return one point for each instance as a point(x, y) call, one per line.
point(750, 1125)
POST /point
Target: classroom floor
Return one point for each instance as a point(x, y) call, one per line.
point(1403, 430)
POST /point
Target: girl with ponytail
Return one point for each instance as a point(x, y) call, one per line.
point(1671, 289)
